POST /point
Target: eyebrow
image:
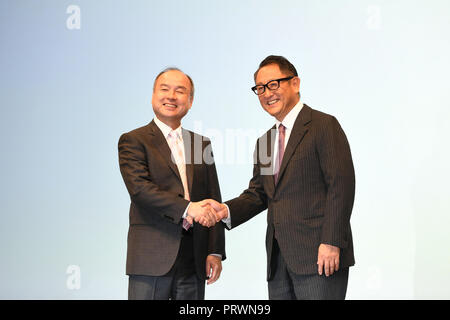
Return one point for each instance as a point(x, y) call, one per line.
point(177, 87)
point(261, 83)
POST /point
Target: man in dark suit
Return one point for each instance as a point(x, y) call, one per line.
point(166, 169)
point(303, 174)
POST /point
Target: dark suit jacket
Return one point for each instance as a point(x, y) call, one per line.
point(313, 200)
point(157, 200)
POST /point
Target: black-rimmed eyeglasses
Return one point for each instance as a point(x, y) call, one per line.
point(271, 85)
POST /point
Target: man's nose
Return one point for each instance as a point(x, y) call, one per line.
point(172, 95)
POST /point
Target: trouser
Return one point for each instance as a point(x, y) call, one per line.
point(286, 285)
point(180, 283)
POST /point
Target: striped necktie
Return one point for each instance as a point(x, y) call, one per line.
point(174, 141)
point(281, 135)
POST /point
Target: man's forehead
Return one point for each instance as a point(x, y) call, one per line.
point(267, 73)
point(173, 77)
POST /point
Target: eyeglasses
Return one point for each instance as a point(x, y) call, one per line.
point(271, 85)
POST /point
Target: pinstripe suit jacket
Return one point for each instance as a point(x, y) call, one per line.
point(157, 200)
point(313, 199)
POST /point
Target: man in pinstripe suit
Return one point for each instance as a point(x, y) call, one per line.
point(303, 174)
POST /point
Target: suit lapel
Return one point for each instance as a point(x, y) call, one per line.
point(265, 160)
point(298, 131)
point(160, 143)
point(272, 136)
point(189, 157)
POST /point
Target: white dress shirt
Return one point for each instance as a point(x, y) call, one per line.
point(165, 129)
point(288, 123)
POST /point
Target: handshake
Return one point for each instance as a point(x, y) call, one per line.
point(206, 212)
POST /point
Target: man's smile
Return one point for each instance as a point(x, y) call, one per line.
point(169, 105)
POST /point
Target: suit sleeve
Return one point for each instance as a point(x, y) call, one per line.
point(143, 191)
point(252, 201)
point(216, 233)
point(337, 167)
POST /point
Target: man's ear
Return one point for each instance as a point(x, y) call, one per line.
point(296, 83)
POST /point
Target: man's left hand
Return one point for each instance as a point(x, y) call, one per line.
point(328, 259)
point(213, 268)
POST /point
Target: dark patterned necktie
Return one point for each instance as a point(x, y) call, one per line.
point(281, 134)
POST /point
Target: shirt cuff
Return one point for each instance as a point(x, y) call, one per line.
point(186, 211)
point(227, 220)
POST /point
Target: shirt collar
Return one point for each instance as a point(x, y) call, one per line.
point(289, 120)
point(165, 129)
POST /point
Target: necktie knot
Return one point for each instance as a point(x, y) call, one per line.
point(174, 135)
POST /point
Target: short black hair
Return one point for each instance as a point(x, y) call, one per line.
point(283, 63)
point(175, 69)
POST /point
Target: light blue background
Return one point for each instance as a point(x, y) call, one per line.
point(380, 67)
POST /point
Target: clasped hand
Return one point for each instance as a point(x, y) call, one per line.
point(207, 212)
